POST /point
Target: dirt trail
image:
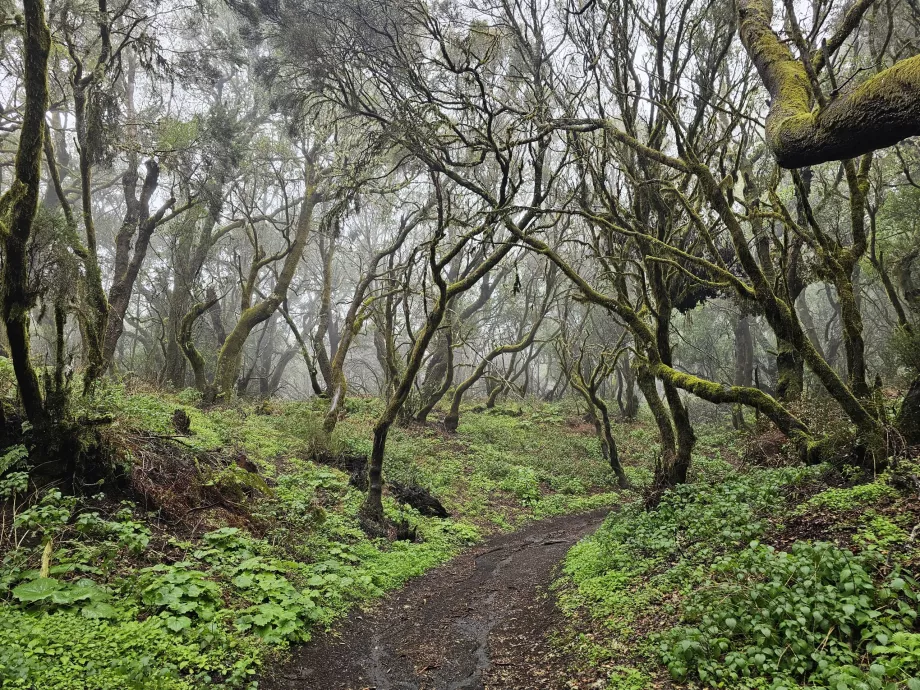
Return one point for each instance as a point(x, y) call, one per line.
point(477, 622)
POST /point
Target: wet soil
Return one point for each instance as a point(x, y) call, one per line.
point(480, 621)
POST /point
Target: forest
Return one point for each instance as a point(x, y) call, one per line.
point(355, 344)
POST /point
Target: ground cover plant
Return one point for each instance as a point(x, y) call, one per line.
point(755, 578)
point(300, 299)
point(148, 591)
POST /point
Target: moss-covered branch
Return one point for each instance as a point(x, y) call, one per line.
point(878, 113)
point(788, 423)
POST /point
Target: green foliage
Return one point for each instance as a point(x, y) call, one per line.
point(733, 612)
point(50, 594)
point(767, 618)
point(12, 457)
point(177, 592)
point(625, 678)
point(47, 516)
point(906, 346)
point(278, 612)
point(7, 377)
point(14, 484)
point(859, 496)
point(67, 651)
point(123, 530)
point(880, 534)
point(638, 558)
point(523, 483)
point(168, 613)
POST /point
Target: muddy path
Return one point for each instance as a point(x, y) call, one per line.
point(478, 622)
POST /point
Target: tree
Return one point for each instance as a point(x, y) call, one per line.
point(358, 310)
point(438, 257)
point(18, 207)
point(525, 338)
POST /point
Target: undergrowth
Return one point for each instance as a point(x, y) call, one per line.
point(763, 579)
point(230, 543)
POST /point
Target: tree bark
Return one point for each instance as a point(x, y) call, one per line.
point(452, 420)
point(627, 399)
point(908, 421)
point(448, 381)
point(138, 224)
point(372, 509)
point(94, 321)
point(186, 342)
point(353, 320)
point(323, 358)
point(744, 363)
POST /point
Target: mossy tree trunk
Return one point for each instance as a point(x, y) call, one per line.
point(440, 372)
point(327, 245)
point(743, 374)
point(686, 438)
point(435, 397)
point(452, 419)
point(589, 388)
point(787, 284)
point(138, 227)
point(666, 436)
point(358, 312)
point(627, 399)
point(95, 318)
point(908, 420)
point(186, 341)
point(780, 315)
point(372, 509)
point(229, 359)
point(18, 207)
point(646, 342)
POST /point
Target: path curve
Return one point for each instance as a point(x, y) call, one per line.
point(475, 623)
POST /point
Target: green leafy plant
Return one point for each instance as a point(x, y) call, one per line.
point(523, 483)
point(806, 616)
point(858, 496)
point(47, 516)
point(178, 592)
point(52, 594)
point(12, 457)
point(123, 529)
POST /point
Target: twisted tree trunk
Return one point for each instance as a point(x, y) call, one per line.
point(138, 225)
point(230, 357)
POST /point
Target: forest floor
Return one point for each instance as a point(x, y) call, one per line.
point(229, 554)
point(480, 621)
point(230, 540)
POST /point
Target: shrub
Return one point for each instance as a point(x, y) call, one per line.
point(768, 618)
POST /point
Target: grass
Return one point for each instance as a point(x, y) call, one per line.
point(205, 570)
